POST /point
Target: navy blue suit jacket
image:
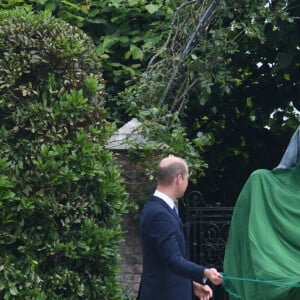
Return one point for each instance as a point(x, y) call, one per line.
point(167, 272)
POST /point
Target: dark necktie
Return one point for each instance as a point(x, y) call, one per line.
point(175, 208)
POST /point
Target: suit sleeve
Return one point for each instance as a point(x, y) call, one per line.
point(164, 235)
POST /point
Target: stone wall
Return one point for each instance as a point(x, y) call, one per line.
point(131, 257)
point(139, 188)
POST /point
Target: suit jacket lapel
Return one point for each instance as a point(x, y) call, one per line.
point(178, 219)
point(166, 205)
point(172, 211)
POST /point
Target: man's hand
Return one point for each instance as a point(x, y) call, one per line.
point(203, 292)
point(213, 275)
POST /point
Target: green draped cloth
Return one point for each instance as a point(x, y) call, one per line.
point(262, 255)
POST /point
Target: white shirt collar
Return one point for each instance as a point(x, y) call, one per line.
point(165, 198)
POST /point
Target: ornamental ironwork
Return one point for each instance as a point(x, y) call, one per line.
point(206, 229)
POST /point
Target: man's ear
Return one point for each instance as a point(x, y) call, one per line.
point(178, 178)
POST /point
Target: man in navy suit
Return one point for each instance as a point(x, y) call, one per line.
point(167, 272)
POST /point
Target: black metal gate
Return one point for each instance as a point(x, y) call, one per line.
point(206, 229)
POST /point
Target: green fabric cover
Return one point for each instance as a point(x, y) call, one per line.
point(264, 237)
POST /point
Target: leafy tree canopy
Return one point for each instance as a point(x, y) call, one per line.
point(231, 88)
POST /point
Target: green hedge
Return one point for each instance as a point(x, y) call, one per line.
point(61, 199)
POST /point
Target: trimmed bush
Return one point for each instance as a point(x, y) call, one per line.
point(60, 194)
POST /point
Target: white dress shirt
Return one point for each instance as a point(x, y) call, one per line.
point(165, 198)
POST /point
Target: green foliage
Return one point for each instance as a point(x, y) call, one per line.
point(203, 87)
point(252, 123)
point(126, 32)
point(213, 87)
point(185, 65)
point(162, 94)
point(60, 194)
point(164, 138)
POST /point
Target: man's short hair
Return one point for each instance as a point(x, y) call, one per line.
point(166, 174)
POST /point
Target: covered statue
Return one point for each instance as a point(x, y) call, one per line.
point(262, 257)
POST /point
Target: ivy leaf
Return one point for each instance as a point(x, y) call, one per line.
point(13, 291)
point(135, 52)
point(152, 8)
